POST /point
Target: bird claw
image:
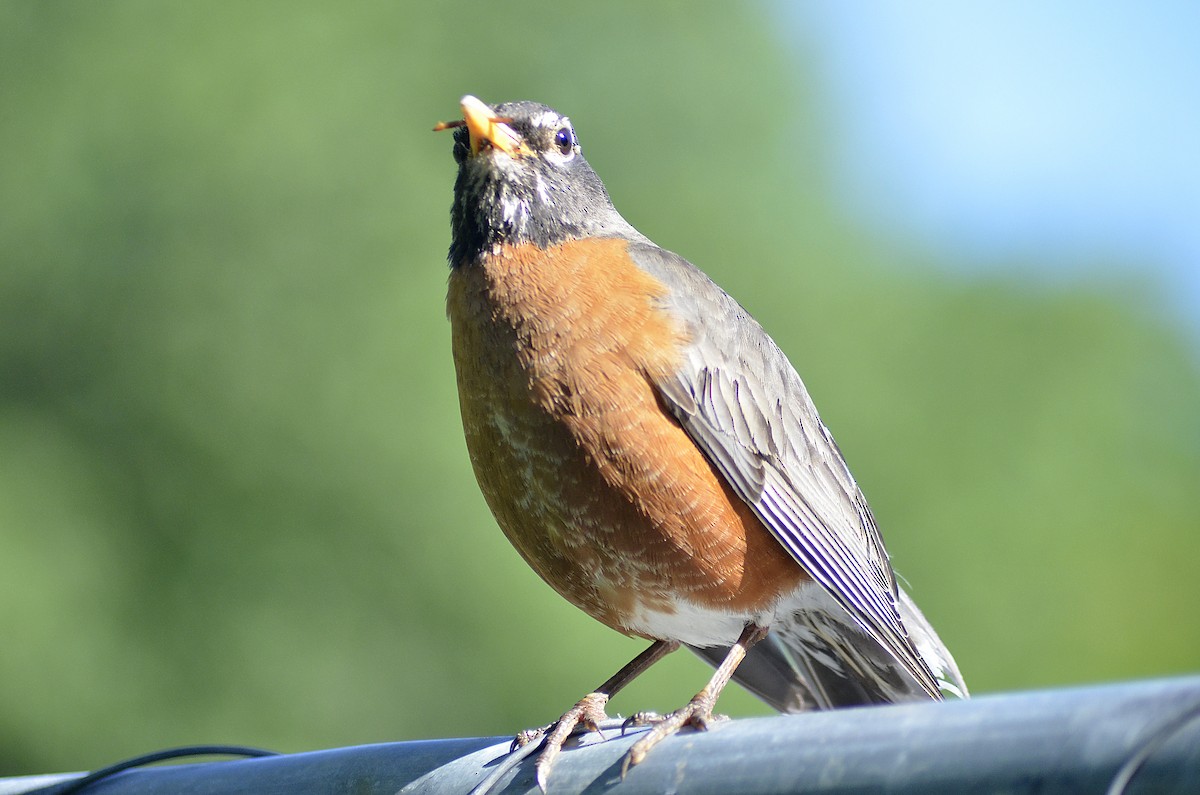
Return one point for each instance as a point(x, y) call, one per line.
point(528, 736)
point(637, 719)
point(697, 713)
point(587, 714)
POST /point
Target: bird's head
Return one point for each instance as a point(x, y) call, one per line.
point(522, 179)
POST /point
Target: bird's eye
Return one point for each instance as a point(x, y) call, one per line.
point(564, 140)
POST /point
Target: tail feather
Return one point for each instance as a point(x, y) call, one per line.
point(931, 648)
point(821, 660)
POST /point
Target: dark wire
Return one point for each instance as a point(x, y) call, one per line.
point(77, 784)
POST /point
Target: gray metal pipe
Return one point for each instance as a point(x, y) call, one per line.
point(1139, 737)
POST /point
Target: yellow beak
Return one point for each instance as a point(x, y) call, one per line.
point(485, 127)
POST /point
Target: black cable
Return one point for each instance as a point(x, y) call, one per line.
point(77, 784)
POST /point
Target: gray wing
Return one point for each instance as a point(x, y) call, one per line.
point(741, 401)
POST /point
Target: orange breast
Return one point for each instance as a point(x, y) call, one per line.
point(599, 489)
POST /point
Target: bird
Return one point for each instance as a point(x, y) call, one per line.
point(652, 453)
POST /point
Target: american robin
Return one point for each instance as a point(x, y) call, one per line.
point(652, 453)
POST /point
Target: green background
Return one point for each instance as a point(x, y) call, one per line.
point(235, 503)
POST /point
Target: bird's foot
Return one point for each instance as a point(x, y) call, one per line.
point(587, 714)
point(697, 713)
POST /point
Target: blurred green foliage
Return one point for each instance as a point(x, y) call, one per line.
point(235, 504)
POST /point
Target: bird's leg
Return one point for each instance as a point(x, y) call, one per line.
point(589, 711)
point(698, 712)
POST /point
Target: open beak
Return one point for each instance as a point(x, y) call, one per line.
point(485, 127)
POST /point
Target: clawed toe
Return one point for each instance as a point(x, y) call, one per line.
point(588, 714)
point(528, 736)
point(697, 713)
point(640, 719)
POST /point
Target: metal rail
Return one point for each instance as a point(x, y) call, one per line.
point(1139, 737)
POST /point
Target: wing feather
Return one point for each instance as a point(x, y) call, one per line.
point(741, 401)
